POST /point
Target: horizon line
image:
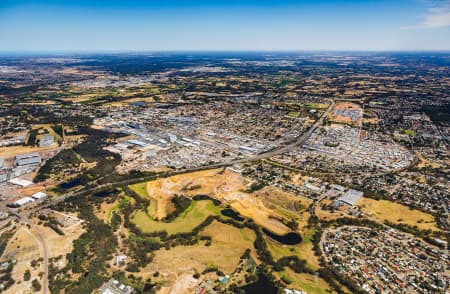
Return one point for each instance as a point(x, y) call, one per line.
point(173, 51)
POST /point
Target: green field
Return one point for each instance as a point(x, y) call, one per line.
point(303, 250)
point(140, 189)
point(411, 133)
point(311, 105)
point(305, 282)
point(194, 215)
point(122, 203)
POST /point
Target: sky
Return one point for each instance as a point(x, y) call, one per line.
point(220, 25)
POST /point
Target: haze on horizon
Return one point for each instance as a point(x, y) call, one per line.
point(207, 25)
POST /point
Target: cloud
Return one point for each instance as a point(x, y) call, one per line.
point(437, 16)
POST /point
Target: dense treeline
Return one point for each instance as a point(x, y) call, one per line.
point(440, 115)
point(181, 203)
point(90, 251)
point(58, 164)
point(6, 279)
point(91, 150)
point(59, 130)
point(4, 239)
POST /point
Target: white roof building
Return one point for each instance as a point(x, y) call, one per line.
point(39, 195)
point(21, 182)
point(23, 201)
point(351, 197)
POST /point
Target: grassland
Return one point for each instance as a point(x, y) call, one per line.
point(61, 244)
point(227, 246)
point(286, 204)
point(305, 282)
point(384, 210)
point(408, 132)
point(107, 208)
point(140, 189)
point(194, 215)
point(23, 247)
point(304, 250)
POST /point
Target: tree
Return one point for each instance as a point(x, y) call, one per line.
point(36, 285)
point(27, 275)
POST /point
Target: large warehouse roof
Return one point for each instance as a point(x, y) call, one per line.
point(351, 196)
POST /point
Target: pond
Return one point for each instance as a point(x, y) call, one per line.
point(105, 193)
point(262, 285)
point(71, 184)
point(291, 238)
point(231, 213)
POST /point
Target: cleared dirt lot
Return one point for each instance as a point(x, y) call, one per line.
point(288, 205)
point(215, 183)
point(341, 113)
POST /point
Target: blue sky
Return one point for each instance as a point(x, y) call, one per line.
point(138, 25)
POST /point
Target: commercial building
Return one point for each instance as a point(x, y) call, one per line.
point(28, 159)
point(47, 141)
point(39, 196)
point(21, 182)
point(115, 287)
point(23, 201)
point(350, 197)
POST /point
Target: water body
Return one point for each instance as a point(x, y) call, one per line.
point(71, 184)
point(231, 213)
point(262, 286)
point(288, 239)
point(105, 193)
